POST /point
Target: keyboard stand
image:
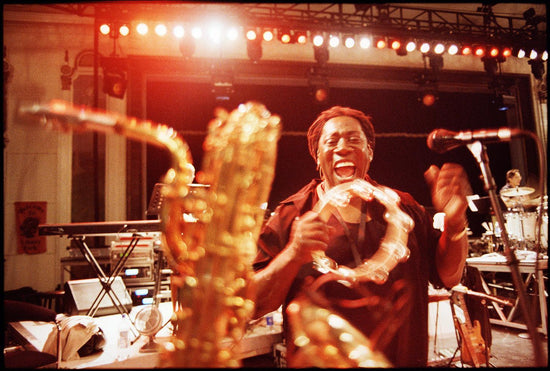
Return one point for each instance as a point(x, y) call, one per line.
point(106, 280)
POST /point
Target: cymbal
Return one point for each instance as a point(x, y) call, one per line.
point(517, 192)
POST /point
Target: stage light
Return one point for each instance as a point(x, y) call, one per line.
point(233, 33)
point(301, 37)
point(424, 47)
point(380, 42)
point(453, 49)
point(506, 52)
point(196, 32)
point(518, 52)
point(439, 48)
point(411, 46)
point(544, 56)
point(334, 41)
point(160, 29)
point(318, 40)
point(267, 35)
point(105, 29)
point(395, 44)
point(321, 54)
point(364, 42)
point(429, 98)
point(124, 30)
point(466, 50)
point(349, 41)
point(178, 31)
point(493, 51)
point(114, 82)
point(436, 62)
point(187, 46)
point(490, 65)
point(533, 54)
point(142, 29)
point(479, 51)
point(254, 49)
point(537, 68)
point(285, 37)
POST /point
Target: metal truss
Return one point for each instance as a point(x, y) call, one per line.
point(390, 20)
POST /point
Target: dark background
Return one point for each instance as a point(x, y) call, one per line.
point(401, 122)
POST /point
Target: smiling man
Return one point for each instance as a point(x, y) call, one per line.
point(341, 141)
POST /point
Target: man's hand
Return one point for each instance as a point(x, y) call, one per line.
point(449, 187)
point(308, 234)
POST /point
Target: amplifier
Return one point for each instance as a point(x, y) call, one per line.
point(144, 294)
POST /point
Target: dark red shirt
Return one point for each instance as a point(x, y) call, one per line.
point(404, 346)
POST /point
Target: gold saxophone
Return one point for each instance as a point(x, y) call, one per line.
point(211, 256)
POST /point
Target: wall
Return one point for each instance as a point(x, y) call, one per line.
point(37, 162)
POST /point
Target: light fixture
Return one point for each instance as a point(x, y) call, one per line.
point(114, 77)
point(301, 37)
point(318, 84)
point(490, 65)
point(318, 40)
point(267, 35)
point(321, 54)
point(349, 41)
point(334, 41)
point(187, 46)
point(284, 36)
point(254, 49)
point(380, 42)
point(160, 29)
point(424, 47)
point(537, 68)
point(365, 42)
point(439, 48)
point(411, 46)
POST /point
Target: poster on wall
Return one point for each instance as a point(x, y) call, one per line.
point(28, 215)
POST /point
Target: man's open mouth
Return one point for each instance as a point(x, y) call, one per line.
point(345, 169)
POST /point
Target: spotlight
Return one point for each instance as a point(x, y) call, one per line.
point(493, 51)
point(301, 37)
point(364, 42)
point(284, 36)
point(428, 98)
point(114, 80)
point(518, 52)
point(187, 46)
point(160, 29)
point(267, 35)
point(436, 62)
point(349, 41)
point(254, 49)
point(380, 42)
point(334, 41)
point(506, 52)
point(411, 46)
point(479, 51)
point(537, 68)
point(319, 86)
point(424, 47)
point(439, 48)
point(453, 49)
point(142, 29)
point(490, 65)
point(533, 54)
point(124, 30)
point(466, 50)
point(318, 40)
point(105, 29)
point(395, 44)
point(321, 54)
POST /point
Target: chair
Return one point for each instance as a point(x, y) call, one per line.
point(22, 357)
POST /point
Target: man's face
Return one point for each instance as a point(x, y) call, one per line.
point(343, 153)
point(515, 180)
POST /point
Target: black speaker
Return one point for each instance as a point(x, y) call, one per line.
point(81, 294)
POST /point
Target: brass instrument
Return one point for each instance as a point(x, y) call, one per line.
point(213, 255)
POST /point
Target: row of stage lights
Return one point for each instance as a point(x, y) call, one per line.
point(402, 47)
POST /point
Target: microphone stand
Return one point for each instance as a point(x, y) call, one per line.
point(480, 153)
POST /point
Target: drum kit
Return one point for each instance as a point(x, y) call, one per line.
point(521, 219)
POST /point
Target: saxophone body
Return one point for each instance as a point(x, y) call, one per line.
point(213, 253)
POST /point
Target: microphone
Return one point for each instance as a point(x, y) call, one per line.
point(442, 140)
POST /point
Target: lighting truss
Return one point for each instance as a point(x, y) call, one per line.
point(397, 21)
